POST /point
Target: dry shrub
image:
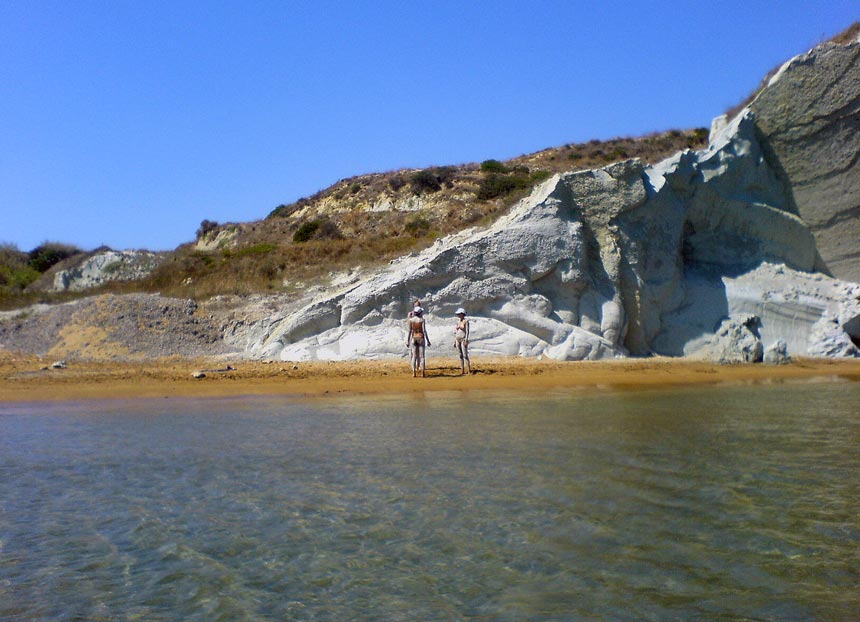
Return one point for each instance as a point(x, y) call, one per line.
point(849, 35)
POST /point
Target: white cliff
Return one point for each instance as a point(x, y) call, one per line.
point(106, 266)
point(808, 120)
point(701, 254)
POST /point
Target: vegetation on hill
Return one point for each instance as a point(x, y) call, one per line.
point(19, 269)
point(361, 221)
point(846, 36)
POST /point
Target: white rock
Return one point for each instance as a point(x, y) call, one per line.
point(604, 263)
point(106, 266)
point(777, 354)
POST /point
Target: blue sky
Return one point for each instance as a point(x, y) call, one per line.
point(128, 123)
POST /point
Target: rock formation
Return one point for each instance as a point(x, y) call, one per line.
point(808, 121)
point(104, 266)
point(702, 254)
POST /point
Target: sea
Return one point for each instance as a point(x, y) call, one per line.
point(733, 502)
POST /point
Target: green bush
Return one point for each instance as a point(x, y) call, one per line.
point(493, 166)
point(425, 181)
point(282, 211)
point(285, 211)
point(701, 133)
point(319, 228)
point(112, 267)
point(306, 231)
point(206, 258)
point(446, 175)
point(18, 278)
point(617, 153)
point(495, 185)
point(46, 255)
point(539, 176)
point(432, 179)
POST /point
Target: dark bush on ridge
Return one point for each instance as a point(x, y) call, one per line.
point(425, 181)
point(431, 179)
point(493, 166)
point(495, 185)
point(46, 255)
point(206, 226)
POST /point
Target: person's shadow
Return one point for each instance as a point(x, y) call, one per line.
point(454, 372)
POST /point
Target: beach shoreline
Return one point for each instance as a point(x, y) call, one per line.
point(25, 378)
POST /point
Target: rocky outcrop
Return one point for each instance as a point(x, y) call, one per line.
point(737, 340)
point(777, 354)
point(106, 266)
point(808, 121)
point(814, 315)
point(701, 254)
point(217, 239)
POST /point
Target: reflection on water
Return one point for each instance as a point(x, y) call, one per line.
point(736, 503)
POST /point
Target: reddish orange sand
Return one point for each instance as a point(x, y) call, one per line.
point(27, 378)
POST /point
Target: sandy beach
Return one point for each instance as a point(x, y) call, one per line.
point(28, 378)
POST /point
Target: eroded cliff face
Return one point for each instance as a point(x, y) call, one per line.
point(726, 253)
point(693, 256)
point(808, 120)
point(103, 267)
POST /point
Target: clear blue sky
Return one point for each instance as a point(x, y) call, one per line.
point(127, 123)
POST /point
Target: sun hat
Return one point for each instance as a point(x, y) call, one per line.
point(459, 311)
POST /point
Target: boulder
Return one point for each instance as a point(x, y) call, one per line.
point(777, 354)
point(737, 340)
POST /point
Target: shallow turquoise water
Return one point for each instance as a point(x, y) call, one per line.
point(733, 503)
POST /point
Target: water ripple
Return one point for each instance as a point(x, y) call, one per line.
point(726, 503)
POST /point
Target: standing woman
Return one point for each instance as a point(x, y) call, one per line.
point(461, 340)
point(417, 340)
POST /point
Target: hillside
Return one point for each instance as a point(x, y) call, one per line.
point(361, 221)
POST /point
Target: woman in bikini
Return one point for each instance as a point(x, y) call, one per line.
point(417, 340)
point(461, 340)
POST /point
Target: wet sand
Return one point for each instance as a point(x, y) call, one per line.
point(27, 378)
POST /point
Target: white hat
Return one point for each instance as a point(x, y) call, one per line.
point(459, 311)
point(417, 309)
